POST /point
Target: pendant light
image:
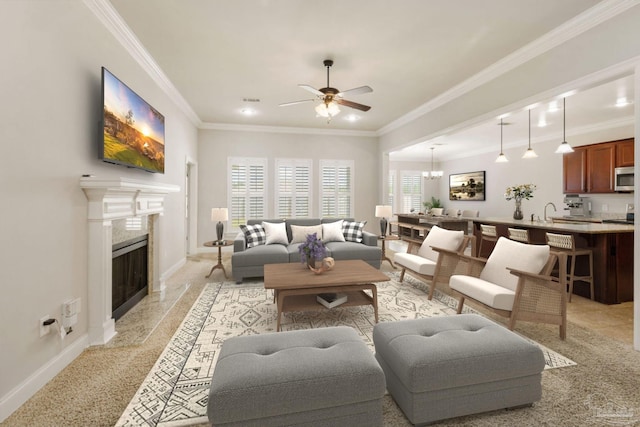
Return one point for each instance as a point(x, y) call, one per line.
point(501, 157)
point(529, 154)
point(564, 146)
point(433, 174)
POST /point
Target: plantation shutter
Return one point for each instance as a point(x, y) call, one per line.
point(411, 190)
point(336, 189)
point(391, 189)
point(293, 188)
point(247, 190)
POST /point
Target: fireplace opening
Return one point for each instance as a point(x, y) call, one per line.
point(129, 274)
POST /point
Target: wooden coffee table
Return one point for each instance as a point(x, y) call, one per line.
point(295, 286)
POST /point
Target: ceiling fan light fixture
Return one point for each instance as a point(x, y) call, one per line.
point(329, 109)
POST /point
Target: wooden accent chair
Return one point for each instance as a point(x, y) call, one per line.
point(515, 282)
point(437, 256)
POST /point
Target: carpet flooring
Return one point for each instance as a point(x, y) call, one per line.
point(96, 388)
point(175, 391)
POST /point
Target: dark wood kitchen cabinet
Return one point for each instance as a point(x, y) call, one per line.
point(574, 170)
point(601, 160)
point(624, 153)
point(590, 168)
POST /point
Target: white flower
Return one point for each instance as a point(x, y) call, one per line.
point(519, 192)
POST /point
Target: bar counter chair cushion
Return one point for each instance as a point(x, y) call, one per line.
point(430, 263)
point(515, 282)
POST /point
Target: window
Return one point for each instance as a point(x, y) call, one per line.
point(391, 190)
point(293, 188)
point(247, 192)
point(411, 191)
point(336, 188)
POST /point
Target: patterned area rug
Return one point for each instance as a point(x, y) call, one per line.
point(176, 390)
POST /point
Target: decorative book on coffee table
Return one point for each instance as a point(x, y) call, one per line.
point(331, 300)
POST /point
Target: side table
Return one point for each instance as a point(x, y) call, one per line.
point(384, 250)
point(219, 245)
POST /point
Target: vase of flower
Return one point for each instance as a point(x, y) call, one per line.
point(312, 249)
point(517, 193)
point(517, 214)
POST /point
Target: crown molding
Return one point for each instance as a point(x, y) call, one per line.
point(110, 18)
point(285, 129)
point(590, 18)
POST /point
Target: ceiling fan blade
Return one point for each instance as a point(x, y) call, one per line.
point(286, 104)
point(353, 105)
point(312, 90)
point(356, 91)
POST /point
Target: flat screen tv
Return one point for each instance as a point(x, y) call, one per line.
point(133, 131)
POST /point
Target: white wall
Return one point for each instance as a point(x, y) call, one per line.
point(51, 58)
point(545, 172)
point(215, 146)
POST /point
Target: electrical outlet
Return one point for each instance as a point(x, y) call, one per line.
point(44, 329)
point(630, 207)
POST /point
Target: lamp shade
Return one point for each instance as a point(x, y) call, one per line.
point(383, 211)
point(219, 214)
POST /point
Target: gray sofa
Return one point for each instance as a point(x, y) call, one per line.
point(249, 262)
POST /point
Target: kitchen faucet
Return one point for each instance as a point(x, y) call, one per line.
point(545, 210)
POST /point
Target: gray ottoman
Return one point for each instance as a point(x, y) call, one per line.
point(444, 367)
point(316, 377)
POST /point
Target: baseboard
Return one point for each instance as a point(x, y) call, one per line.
point(168, 273)
point(10, 402)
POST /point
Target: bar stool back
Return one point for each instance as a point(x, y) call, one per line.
point(488, 234)
point(566, 243)
point(518, 235)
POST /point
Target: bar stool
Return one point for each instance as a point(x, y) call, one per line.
point(518, 235)
point(566, 243)
point(488, 234)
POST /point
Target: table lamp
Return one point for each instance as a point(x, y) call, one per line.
point(383, 212)
point(219, 214)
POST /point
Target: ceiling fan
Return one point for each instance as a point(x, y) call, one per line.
point(331, 97)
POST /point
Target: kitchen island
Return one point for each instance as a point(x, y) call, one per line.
point(612, 246)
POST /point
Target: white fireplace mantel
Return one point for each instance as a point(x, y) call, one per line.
point(111, 199)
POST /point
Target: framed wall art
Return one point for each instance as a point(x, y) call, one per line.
point(467, 186)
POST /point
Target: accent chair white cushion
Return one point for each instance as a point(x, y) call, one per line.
point(496, 286)
point(276, 233)
point(512, 254)
point(440, 238)
point(415, 263)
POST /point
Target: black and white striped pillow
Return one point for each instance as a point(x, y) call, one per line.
point(352, 230)
point(254, 235)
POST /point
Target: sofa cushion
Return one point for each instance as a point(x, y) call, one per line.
point(254, 235)
point(260, 255)
point(353, 250)
point(516, 255)
point(276, 233)
point(332, 232)
point(299, 233)
point(440, 238)
point(352, 230)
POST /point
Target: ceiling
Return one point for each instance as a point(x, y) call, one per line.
point(223, 55)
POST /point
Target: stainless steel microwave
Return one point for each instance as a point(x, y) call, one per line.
point(624, 179)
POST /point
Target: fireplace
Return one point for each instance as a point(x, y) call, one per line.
point(129, 267)
point(109, 201)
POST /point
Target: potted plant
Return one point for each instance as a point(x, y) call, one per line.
point(434, 203)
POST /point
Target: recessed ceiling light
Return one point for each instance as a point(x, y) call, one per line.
point(352, 118)
point(622, 102)
point(248, 111)
point(553, 107)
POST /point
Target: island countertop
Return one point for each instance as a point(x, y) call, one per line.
point(582, 227)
